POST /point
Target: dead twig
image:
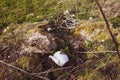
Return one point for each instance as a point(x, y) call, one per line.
point(108, 27)
point(17, 68)
point(52, 70)
point(99, 52)
point(74, 68)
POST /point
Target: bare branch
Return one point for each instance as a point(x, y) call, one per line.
point(108, 27)
point(52, 70)
point(99, 52)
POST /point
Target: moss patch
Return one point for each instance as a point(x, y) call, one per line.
point(25, 62)
point(118, 38)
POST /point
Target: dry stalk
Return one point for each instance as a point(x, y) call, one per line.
point(108, 27)
point(52, 70)
point(98, 52)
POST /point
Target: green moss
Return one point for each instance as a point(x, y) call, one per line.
point(91, 76)
point(25, 62)
point(90, 44)
point(109, 44)
point(102, 36)
point(116, 22)
point(118, 38)
point(90, 1)
point(26, 77)
point(101, 48)
point(89, 27)
point(83, 15)
point(14, 11)
point(65, 49)
point(20, 19)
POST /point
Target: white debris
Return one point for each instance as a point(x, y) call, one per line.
point(73, 15)
point(91, 19)
point(59, 58)
point(66, 12)
point(49, 29)
point(9, 56)
point(102, 40)
point(31, 14)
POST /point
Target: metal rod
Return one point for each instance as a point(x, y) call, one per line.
point(108, 27)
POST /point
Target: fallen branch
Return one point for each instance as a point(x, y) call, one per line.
point(52, 70)
point(99, 52)
point(108, 27)
point(17, 68)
